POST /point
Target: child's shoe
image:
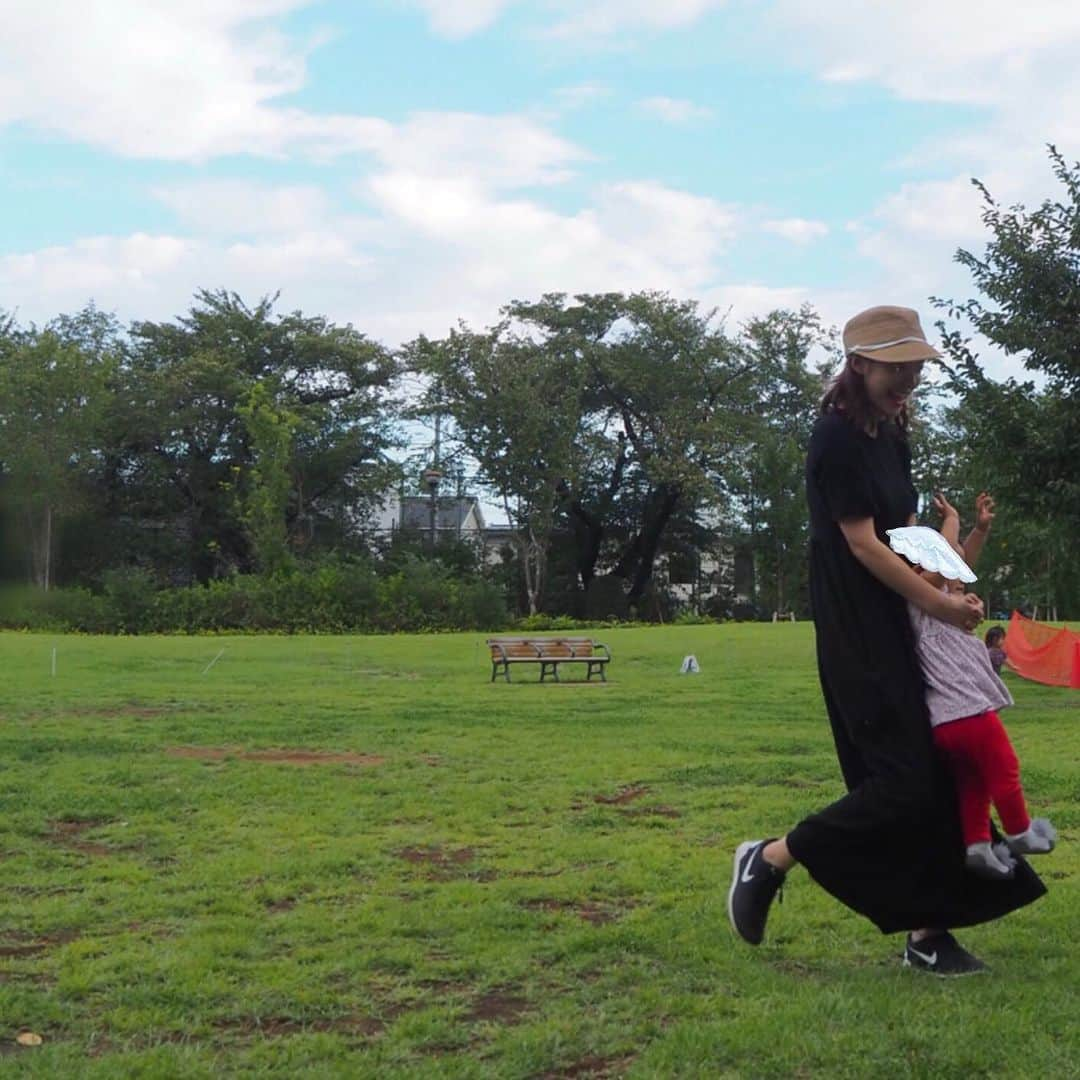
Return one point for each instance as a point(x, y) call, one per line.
point(1037, 839)
point(981, 859)
point(1004, 855)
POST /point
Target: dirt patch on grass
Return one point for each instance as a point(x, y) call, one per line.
point(592, 1066)
point(279, 907)
point(623, 796)
point(17, 944)
point(497, 1006)
point(652, 811)
point(437, 856)
point(590, 912)
point(66, 833)
point(281, 757)
point(278, 1027)
point(136, 709)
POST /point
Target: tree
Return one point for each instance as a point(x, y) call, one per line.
point(664, 387)
point(270, 429)
point(53, 384)
point(185, 446)
point(517, 411)
point(766, 475)
point(1023, 437)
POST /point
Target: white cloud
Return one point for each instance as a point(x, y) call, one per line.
point(605, 18)
point(233, 207)
point(797, 230)
point(494, 151)
point(677, 111)
point(565, 18)
point(434, 247)
point(155, 78)
point(577, 97)
point(460, 18)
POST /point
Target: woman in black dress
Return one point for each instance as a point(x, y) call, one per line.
point(890, 849)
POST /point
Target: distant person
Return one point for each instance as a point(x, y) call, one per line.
point(892, 848)
point(995, 648)
point(963, 694)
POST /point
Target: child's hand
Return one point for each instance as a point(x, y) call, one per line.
point(984, 511)
point(944, 507)
point(963, 610)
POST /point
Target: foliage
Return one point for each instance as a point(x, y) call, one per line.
point(1022, 437)
point(289, 411)
point(53, 388)
point(332, 596)
point(517, 407)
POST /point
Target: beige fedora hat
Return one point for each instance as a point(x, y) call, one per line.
point(890, 334)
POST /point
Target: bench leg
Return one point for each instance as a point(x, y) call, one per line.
point(544, 665)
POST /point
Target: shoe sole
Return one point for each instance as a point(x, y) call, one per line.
point(740, 851)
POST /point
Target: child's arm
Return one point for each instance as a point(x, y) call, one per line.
point(950, 519)
point(984, 516)
point(950, 529)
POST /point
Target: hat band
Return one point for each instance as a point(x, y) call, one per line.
point(888, 344)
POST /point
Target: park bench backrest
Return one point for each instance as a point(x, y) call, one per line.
point(536, 648)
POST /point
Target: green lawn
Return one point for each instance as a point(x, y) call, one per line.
point(479, 880)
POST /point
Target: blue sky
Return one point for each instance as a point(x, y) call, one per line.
point(403, 163)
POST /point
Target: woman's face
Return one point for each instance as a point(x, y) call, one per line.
point(888, 386)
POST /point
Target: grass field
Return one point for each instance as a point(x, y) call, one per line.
point(357, 857)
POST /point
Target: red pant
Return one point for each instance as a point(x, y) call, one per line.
point(985, 769)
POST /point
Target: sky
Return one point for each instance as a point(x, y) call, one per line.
point(403, 164)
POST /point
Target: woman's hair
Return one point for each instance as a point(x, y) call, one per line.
point(993, 636)
point(846, 393)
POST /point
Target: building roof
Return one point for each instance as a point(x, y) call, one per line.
point(450, 512)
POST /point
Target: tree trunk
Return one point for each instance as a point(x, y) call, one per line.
point(39, 532)
point(48, 544)
point(533, 557)
point(588, 534)
point(647, 542)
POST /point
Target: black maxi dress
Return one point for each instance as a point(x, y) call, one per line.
point(891, 849)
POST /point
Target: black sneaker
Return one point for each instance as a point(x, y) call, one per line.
point(754, 883)
point(941, 954)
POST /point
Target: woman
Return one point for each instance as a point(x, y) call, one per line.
point(891, 849)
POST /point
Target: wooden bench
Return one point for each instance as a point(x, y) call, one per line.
point(549, 653)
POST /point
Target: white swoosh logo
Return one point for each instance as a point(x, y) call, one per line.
point(931, 959)
point(747, 877)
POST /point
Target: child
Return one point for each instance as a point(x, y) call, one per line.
point(963, 693)
point(995, 647)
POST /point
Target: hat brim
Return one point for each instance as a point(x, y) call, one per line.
point(909, 352)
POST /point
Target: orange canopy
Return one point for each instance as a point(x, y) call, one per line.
point(1046, 654)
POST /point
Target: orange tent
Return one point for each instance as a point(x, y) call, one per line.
point(1043, 653)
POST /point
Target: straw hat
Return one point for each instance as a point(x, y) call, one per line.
point(890, 334)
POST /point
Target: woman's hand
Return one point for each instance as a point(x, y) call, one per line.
point(963, 610)
point(944, 507)
point(984, 511)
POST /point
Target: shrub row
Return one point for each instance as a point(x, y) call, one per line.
point(329, 598)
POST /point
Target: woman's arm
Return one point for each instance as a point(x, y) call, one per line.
point(964, 611)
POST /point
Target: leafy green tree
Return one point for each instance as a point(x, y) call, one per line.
point(1022, 436)
point(517, 411)
point(664, 386)
point(270, 429)
point(766, 474)
point(53, 384)
point(183, 440)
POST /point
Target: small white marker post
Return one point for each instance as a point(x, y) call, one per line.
point(54, 661)
point(213, 662)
